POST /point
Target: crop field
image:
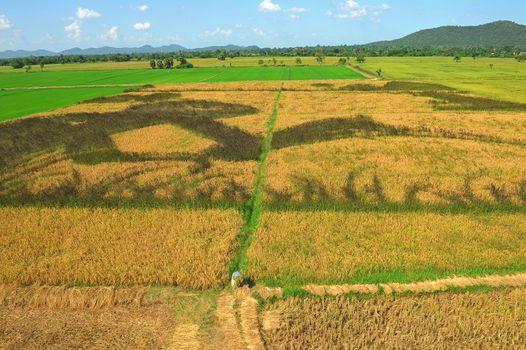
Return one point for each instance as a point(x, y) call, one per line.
point(474, 320)
point(20, 103)
point(391, 182)
point(163, 191)
point(501, 78)
point(151, 76)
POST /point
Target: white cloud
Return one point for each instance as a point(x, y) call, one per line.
point(351, 9)
point(269, 6)
point(293, 16)
point(87, 14)
point(296, 10)
point(142, 26)
point(74, 30)
point(217, 32)
point(259, 32)
point(4, 22)
point(142, 8)
point(112, 34)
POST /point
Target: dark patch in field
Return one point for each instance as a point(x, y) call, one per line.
point(401, 86)
point(149, 98)
point(447, 101)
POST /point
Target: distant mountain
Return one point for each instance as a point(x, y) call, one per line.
point(24, 53)
point(123, 50)
point(500, 33)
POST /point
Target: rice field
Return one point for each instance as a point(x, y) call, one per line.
point(300, 183)
point(124, 247)
point(153, 76)
point(494, 319)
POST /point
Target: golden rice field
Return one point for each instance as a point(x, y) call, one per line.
point(475, 320)
point(327, 182)
point(187, 248)
point(349, 144)
point(326, 246)
point(157, 146)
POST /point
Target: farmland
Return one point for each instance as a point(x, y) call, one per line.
point(145, 201)
point(156, 76)
point(501, 78)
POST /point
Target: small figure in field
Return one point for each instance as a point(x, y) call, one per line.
point(237, 280)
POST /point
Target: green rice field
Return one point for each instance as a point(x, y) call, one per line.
point(501, 78)
point(19, 103)
point(150, 76)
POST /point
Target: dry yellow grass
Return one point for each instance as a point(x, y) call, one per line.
point(117, 246)
point(493, 320)
point(335, 246)
point(430, 170)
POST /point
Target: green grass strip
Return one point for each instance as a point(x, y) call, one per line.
point(254, 206)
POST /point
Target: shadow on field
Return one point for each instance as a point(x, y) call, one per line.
point(86, 138)
point(444, 98)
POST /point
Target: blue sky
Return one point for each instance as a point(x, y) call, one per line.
point(61, 24)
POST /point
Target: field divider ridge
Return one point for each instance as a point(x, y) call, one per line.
point(454, 283)
point(254, 206)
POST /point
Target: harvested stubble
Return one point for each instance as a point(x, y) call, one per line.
point(336, 247)
point(150, 327)
point(392, 168)
point(495, 320)
point(117, 246)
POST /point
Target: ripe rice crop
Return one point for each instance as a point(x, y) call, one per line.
point(335, 247)
point(408, 169)
point(172, 149)
point(191, 249)
point(495, 320)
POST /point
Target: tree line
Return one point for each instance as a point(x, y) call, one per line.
point(327, 51)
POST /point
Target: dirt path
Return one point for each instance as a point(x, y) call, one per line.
point(250, 324)
point(363, 72)
point(226, 318)
point(237, 317)
point(185, 338)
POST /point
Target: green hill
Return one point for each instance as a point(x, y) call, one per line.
point(501, 33)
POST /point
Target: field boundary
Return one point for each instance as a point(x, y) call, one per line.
point(431, 286)
point(363, 72)
point(253, 207)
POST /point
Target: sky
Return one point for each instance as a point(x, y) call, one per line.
point(60, 24)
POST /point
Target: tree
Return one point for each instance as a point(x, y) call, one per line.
point(160, 64)
point(491, 65)
point(153, 64)
point(379, 72)
point(342, 61)
point(28, 68)
point(360, 58)
point(298, 61)
point(261, 62)
point(41, 66)
point(319, 57)
point(221, 55)
point(17, 63)
point(457, 58)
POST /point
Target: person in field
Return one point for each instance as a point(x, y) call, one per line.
point(237, 280)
